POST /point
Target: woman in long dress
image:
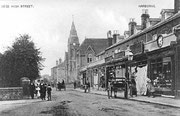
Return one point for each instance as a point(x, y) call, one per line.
point(38, 91)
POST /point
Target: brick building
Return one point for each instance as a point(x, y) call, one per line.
point(151, 47)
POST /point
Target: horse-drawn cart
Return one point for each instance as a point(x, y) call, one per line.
point(61, 86)
point(117, 84)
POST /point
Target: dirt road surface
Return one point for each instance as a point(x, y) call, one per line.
point(75, 103)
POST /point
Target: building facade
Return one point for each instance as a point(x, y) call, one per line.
point(155, 53)
point(67, 70)
point(58, 72)
point(89, 61)
point(151, 48)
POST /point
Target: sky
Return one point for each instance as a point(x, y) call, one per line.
point(48, 22)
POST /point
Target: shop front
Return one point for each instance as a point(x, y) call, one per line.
point(116, 66)
point(138, 68)
point(161, 59)
point(101, 79)
point(95, 79)
point(161, 74)
point(83, 76)
point(98, 78)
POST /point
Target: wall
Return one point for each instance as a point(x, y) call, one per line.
point(12, 93)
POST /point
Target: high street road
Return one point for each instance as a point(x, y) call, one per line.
point(75, 103)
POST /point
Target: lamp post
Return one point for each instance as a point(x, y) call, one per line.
point(129, 55)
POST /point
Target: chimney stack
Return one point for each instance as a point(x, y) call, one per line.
point(56, 62)
point(176, 6)
point(60, 60)
point(144, 18)
point(109, 37)
point(132, 26)
point(115, 36)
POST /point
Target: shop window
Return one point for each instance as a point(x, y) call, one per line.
point(161, 72)
point(120, 71)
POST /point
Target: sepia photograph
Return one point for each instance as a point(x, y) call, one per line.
point(89, 57)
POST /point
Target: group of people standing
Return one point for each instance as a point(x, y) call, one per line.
point(40, 89)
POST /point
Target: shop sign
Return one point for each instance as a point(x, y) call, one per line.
point(137, 48)
point(119, 55)
point(161, 42)
point(108, 59)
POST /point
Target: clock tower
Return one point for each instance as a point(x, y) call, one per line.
point(73, 46)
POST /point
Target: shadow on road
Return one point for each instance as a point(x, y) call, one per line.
point(60, 110)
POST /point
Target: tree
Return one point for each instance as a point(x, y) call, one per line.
point(23, 59)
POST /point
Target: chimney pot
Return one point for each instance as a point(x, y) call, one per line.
point(144, 18)
point(132, 26)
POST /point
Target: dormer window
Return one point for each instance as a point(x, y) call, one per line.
point(89, 58)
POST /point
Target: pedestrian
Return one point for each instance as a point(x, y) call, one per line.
point(74, 84)
point(88, 86)
point(63, 85)
point(42, 90)
point(32, 89)
point(133, 89)
point(49, 92)
point(38, 91)
point(58, 85)
point(150, 89)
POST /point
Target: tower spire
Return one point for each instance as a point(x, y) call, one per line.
point(73, 37)
point(72, 18)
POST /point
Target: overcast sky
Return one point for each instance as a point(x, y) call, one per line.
point(48, 22)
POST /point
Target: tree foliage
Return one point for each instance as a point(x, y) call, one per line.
point(23, 59)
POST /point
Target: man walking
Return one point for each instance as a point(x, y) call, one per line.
point(49, 92)
point(32, 89)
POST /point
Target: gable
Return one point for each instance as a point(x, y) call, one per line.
point(96, 45)
point(89, 50)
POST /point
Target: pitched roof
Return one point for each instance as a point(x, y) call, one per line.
point(167, 10)
point(175, 16)
point(98, 45)
point(154, 21)
point(138, 27)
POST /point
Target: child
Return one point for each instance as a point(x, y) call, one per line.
point(49, 92)
point(150, 88)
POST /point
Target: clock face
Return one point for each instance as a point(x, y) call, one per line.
point(160, 41)
point(74, 44)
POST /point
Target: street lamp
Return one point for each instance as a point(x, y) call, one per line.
point(129, 54)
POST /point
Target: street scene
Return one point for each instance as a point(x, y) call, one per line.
point(90, 58)
point(77, 103)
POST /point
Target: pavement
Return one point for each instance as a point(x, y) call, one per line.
point(166, 101)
